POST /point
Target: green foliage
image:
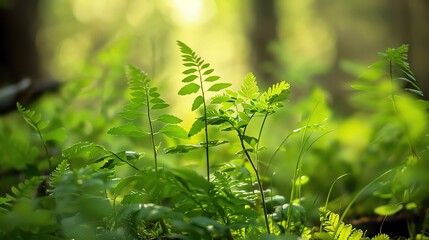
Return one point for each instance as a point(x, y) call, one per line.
point(399, 68)
point(144, 101)
point(40, 126)
point(332, 225)
point(98, 193)
point(198, 70)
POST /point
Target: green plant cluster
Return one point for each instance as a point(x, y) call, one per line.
point(90, 191)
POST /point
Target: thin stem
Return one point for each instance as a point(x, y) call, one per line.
point(205, 125)
point(155, 154)
point(261, 189)
point(259, 140)
point(392, 95)
point(45, 148)
point(356, 197)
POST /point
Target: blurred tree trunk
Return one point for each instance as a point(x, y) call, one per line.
point(18, 54)
point(262, 34)
point(20, 74)
point(419, 42)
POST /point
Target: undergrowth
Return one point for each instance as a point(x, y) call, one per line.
point(92, 192)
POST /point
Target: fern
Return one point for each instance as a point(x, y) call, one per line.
point(381, 236)
point(332, 225)
point(146, 99)
point(198, 70)
point(26, 190)
point(239, 108)
point(35, 121)
point(59, 171)
point(249, 88)
point(96, 154)
point(399, 68)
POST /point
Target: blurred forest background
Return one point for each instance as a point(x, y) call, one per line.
point(78, 49)
point(303, 42)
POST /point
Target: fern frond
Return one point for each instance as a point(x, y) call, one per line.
point(59, 171)
point(249, 88)
point(24, 189)
point(332, 225)
point(276, 93)
point(381, 236)
point(398, 63)
point(32, 118)
point(197, 69)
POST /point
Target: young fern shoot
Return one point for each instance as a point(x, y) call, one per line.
point(35, 121)
point(399, 70)
point(144, 101)
point(239, 108)
point(198, 70)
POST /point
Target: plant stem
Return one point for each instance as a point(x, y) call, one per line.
point(45, 148)
point(356, 197)
point(259, 140)
point(392, 95)
point(155, 154)
point(261, 189)
point(205, 125)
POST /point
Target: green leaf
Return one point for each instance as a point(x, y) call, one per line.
point(277, 92)
point(212, 78)
point(214, 143)
point(221, 99)
point(189, 71)
point(43, 124)
point(302, 180)
point(174, 131)
point(249, 89)
point(219, 86)
point(250, 140)
point(130, 115)
point(388, 209)
point(197, 126)
point(189, 89)
point(197, 103)
point(209, 71)
point(167, 118)
point(190, 78)
point(159, 106)
point(206, 65)
point(182, 148)
point(129, 129)
point(382, 236)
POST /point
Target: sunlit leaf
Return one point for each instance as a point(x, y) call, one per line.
point(190, 78)
point(190, 70)
point(212, 78)
point(127, 130)
point(174, 131)
point(302, 180)
point(189, 89)
point(197, 126)
point(249, 89)
point(198, 101)
point(168, 118)
point(160, 106)
point(206, 65)
point(219, 86)
point(183, 148)
point(209, 71)
point(388, 209)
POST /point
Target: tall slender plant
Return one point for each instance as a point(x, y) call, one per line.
point(198, 71)
point(144, 101)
